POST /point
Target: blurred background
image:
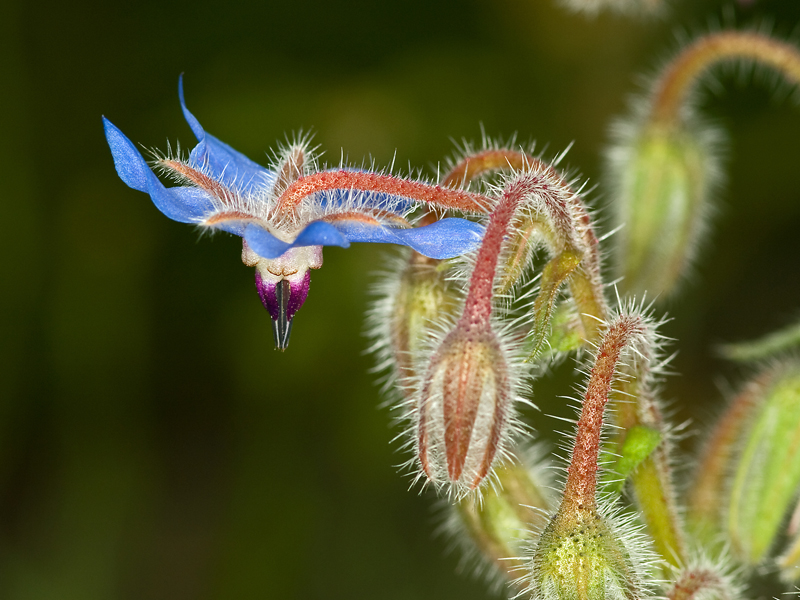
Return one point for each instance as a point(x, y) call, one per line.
point(153, 445)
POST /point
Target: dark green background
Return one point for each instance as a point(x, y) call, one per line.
point(152, 443)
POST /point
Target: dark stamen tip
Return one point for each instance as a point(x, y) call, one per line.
point(282, 325)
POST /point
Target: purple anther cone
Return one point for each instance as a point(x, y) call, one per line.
point(282, 299)
point(298, 295)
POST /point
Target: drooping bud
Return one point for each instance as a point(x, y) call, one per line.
point(707, 500)
point(465, 409)
point(663, 179)
point(422, 296)
point(767, 474)
point(501, 523)
point(464, 403)
point(664, 166)
point(584, 553)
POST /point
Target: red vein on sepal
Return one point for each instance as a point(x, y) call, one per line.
point(358, 181)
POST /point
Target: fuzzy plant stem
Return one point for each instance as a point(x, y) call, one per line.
point(567, 230)
point(478, 305)
point(581, 487)
point(677, 82)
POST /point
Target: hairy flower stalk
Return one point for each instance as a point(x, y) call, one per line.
point(664, 164)
point(464, 406)
point(582, 554)
point(558, 219)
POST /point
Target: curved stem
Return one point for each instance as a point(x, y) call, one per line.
point(677, 82)
point(478, 305)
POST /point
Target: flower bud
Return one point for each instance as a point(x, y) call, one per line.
point(502, 521)
point(464, 409)
point(767, 474)
point(581, 555)
point(663, 177)
point(421, 297)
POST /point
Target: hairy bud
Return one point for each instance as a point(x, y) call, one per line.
point(465, 409)
point(501, 522)
point(663, 177)
point(767, 474)
point(422, 296)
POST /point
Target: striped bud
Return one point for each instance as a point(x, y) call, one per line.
point(663, 177)
point(464, 409)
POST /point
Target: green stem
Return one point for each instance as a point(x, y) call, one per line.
point(679, 79)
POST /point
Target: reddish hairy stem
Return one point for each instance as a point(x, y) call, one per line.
point(478, 305)
point(582, 472)
point(357, 181)
point(673, 87)
point(586, 287)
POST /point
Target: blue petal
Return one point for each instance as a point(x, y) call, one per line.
point(184, 204)
point(320, 233)
point(443, 239)
point(220, 161)
point(263, 243)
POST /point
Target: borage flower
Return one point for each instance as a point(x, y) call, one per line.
point(285, 214)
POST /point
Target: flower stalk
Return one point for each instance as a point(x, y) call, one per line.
point(582, 554)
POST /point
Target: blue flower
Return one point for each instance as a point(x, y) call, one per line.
point(285, 214)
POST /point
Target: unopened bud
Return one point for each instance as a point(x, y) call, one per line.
point(663, 177)
point(581, 556)
point(767, 475)
point(501, 523)
point(464, 409)
point(422, 296)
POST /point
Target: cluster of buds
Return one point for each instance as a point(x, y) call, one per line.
point(479, 302)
